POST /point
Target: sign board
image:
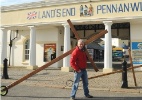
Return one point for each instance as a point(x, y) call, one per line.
point(137, 52)
point(49, 52)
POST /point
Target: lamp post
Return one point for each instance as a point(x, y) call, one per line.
point(10, 45)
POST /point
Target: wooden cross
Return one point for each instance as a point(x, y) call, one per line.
point(87, 53)
point(131, 63)
point(4, 91)
point(117, 71)
point(70, 82)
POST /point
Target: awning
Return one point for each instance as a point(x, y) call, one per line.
point(94, 45)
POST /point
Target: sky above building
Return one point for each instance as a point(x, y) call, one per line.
point(13, 2)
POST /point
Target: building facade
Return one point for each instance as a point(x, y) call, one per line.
point(32, 34)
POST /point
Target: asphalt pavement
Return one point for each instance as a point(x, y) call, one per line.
point(50, 84)
point(24, 92)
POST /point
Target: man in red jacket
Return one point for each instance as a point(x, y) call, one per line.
point(78, 62)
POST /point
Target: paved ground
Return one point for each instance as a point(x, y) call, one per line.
point(53, 79)
point(24, 92)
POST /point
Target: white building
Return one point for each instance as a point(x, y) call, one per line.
point(38, 26)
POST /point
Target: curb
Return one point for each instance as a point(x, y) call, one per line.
point(125, 90)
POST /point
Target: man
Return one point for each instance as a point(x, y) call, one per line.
point(124, 46)
point(49, 52)
point(78, 62)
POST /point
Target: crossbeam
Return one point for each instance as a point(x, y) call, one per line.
point(130, 56)
point(87, 53)
point(105, 74)
point(54, 60)
point(117, 71)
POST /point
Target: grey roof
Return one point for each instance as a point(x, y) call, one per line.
point(94, 45)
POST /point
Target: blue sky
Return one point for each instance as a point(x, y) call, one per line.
point(12, 2)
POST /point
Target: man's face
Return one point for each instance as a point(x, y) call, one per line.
point(80, 45)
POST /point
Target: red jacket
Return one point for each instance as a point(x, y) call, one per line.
point(78, 59)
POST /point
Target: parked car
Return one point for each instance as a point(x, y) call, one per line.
point(117, 54)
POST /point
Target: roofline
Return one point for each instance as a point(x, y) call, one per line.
point(42, 4)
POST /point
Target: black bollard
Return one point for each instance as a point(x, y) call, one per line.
point(124, 75)
point(5, 74)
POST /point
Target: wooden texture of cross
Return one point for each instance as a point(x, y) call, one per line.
point(87, 53)
point(4, 91)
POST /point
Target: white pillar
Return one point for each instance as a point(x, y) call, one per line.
point(32, 51)
point(3, 45)
point(67, 46)
point(108, 48)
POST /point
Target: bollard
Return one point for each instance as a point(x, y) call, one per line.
point(5, 74)
point(124, 75)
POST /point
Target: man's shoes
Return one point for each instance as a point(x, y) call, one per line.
point(72, 98)
point(89, 96)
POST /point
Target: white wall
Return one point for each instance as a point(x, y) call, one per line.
point(60, 43)
point(43, 36)
point(136, 32)
point(115, 42)
point(49, 35)
point(17, 54)
point(0, 46)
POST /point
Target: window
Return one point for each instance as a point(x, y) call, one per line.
point(27, 49)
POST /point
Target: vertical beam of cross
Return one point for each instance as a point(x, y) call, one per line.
point(130, 57)
point(54, 60)
point(87, 53)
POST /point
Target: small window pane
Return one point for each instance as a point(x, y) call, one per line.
point(27, 50)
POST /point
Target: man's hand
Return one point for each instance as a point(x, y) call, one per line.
point(79, 71)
